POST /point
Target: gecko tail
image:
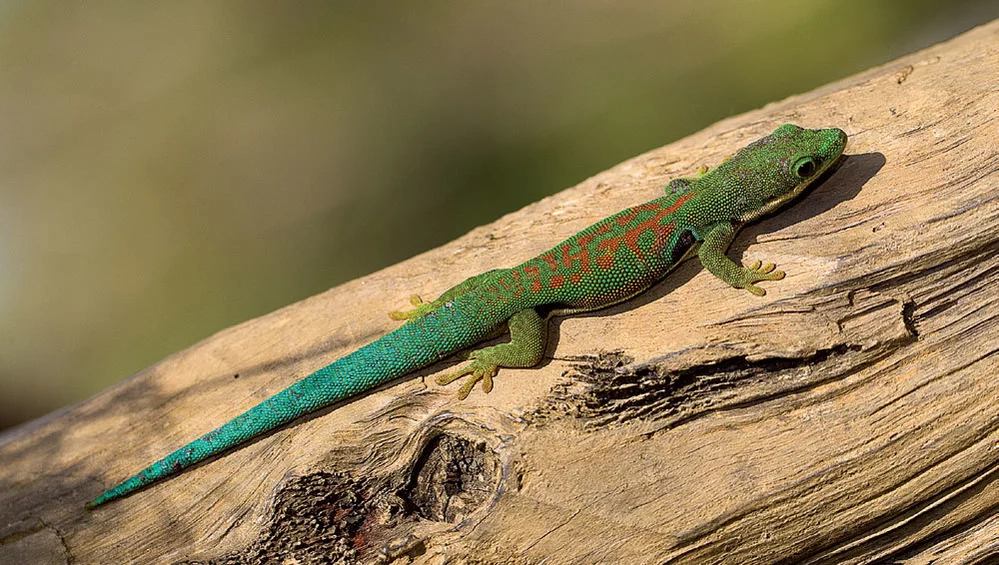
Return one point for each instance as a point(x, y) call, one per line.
point(404, 350)
point(319, 389)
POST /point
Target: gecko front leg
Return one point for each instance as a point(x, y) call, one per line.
point(712, 256)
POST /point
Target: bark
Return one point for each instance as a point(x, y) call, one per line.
point(850, 416)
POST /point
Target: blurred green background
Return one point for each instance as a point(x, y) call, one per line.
point(168, 169)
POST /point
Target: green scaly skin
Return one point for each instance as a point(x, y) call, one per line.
point(608, 262)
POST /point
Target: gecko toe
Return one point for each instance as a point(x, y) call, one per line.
point(466, 388)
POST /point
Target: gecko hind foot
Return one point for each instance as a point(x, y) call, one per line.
point(479, 370)
point(421, 309)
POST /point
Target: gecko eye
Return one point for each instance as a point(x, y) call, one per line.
point(805, 168)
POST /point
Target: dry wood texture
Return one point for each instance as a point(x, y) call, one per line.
point(850, 416)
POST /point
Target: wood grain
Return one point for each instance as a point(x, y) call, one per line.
point(850, 416)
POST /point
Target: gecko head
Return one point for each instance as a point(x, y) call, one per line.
point(774, 170)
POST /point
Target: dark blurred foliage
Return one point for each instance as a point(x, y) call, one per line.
point(168, 169)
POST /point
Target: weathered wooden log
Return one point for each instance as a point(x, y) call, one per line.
point(851, 415)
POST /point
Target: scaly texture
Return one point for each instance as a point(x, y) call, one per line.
point(606, 263)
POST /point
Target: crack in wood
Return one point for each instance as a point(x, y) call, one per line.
point(615, 392)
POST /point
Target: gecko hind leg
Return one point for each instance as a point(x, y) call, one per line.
point(528, 337)
point(450, 294)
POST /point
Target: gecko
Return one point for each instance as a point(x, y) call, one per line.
point(607, 263)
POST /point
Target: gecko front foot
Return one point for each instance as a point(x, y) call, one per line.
point(759, 272)
point(421, 309)
point(478, 369)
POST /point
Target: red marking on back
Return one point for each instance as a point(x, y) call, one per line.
point(514, 288)
point(575, 278)
point(518, 286)
point(679, 203)
point(602, 228)
point(609, 247)
point(627, 218)
point(534, 275)
point(551, 260)
point(499, 295)
point(661, 231)
point(583, 256)
point(630, 237)
point(556, 282)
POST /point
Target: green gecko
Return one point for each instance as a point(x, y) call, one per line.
point(606, 263)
